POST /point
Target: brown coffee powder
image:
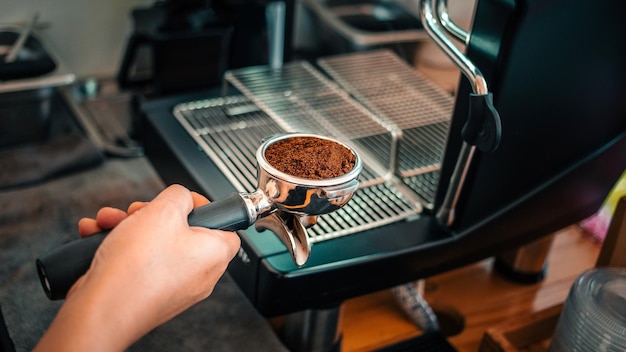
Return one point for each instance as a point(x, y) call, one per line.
point(310, 157)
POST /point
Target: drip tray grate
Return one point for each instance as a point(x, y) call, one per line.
point(230, 129)
point(399, 94)
point(395, 119)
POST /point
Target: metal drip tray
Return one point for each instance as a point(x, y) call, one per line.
point(401, 145)
point(399, 94)
point(300, 99)
point(230, 129)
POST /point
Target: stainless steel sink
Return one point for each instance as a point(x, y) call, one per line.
point(27, 86)
point(356, 25)
point(35, 67)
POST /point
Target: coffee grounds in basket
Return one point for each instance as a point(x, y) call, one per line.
point(310, 157)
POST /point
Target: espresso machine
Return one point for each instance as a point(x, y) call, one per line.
point(532, 141)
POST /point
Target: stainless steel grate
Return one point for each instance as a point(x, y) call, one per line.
point(300, 99)
point(386, 101)
point(401, 95)
point(370, 207)
point(230, 129)
point(389, 87)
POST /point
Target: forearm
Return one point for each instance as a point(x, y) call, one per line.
point(92, 320)
point(150, 268)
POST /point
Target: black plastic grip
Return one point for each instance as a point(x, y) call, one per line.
point(60, 268)
point(228, 214)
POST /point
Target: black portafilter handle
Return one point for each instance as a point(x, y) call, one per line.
point(60, 268)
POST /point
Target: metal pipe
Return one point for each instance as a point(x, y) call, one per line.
point(437, 34)
point(444, 18)
point(275, 14)
point(446, 213)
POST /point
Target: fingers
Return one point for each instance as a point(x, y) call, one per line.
point(232, 240)
point(135, 206)
point(88, 226)
point(175, 199)
point(199, 200)
point(106, 219)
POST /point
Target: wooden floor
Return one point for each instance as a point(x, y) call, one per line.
point(474, 294)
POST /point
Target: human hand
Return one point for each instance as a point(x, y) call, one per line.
point(151, 267)
point(108, 217)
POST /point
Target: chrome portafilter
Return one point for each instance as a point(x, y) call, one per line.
point(282, 203)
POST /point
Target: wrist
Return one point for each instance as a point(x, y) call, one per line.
point(92, 319)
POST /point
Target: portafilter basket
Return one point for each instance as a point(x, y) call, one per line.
point(282, 203)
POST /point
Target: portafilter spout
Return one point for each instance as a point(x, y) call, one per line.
point(283, 203)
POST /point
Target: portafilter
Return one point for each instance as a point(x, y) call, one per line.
point(282, 203)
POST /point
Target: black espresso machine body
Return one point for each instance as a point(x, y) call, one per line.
point(556, 72)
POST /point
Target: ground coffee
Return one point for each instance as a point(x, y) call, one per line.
point(310, 157)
